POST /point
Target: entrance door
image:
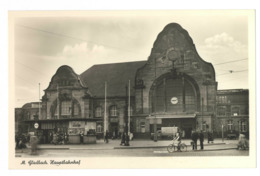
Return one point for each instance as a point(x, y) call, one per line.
point(113, 130)
point(187, 133)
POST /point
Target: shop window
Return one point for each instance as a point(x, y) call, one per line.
point(235, 111)
point(230, 125)
point(113, 111)
point(243, 126)
point(221, 111)
point(142, 125)
point(98, 112)
point(204, 126)
point(65, 108)
point(99, 128)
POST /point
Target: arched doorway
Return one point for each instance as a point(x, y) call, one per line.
point(175, 100)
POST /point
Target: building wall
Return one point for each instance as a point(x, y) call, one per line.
point(232, 121)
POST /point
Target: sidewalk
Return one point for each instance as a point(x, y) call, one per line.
point(135, 144)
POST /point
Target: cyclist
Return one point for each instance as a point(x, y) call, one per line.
point(177, 141)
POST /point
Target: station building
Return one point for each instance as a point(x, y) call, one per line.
point(173, 87)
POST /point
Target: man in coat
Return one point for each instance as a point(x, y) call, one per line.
point(201, 136)
point(194, 138)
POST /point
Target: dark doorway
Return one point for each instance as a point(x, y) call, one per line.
point(113, 130)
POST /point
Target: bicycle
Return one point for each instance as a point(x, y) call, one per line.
point(173, 147)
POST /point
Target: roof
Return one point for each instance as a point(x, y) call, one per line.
point(116, 75)
point(29, 105)
point(231, 91)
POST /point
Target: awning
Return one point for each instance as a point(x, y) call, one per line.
point(67, 119)
point(168, 116)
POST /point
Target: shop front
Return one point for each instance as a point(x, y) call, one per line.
point(47, 129)
point(185, 123)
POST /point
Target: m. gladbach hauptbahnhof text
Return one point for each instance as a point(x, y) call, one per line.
point(173, 87)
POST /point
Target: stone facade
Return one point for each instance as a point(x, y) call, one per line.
point(174, 87)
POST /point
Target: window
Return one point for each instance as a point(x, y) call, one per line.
point(235, 111)
point(222, 99)
point(230, 125)
point(28, 115)
point(131, 111)
point(243, 126)
point(204, 126)
point(76, 109)
point(65, 108)
point(142, 125)
point(99, 128)
point(98, 112)
point(113, 111)
point(221, 111)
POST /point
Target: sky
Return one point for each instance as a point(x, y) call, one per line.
point(43, 44)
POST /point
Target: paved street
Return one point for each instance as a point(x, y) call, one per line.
point(137, 148)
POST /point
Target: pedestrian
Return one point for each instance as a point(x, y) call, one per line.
point(65, 138)
point(122, 139)
point(201, 136)
point(210, 137)
point(194, 137)
point(17, 141)
point(81, 136)
point(106, 136)
point(51, 137)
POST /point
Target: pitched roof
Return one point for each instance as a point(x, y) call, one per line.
point(116, 75)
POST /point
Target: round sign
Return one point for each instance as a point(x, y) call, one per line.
point(173, 54)
point(174, 100)
point(36, 125)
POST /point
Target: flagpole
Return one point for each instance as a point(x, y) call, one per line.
point(39, 101)
point(129, 108)
point(58, 103)
point(105, 110)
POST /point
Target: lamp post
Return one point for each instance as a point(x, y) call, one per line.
point(126, 120)
point(222, 126)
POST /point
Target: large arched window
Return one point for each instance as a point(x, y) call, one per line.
point(174, 95)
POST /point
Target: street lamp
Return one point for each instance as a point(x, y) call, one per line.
point(222, 126)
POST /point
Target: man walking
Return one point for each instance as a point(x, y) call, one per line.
point(201, 136)
point(81, 135)
point(194, 138)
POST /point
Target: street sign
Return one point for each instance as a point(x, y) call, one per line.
point(36, 125)
point(174, 100)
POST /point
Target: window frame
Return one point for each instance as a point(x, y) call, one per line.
point(98, 111)
point(66, 108)
point(113, 111)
